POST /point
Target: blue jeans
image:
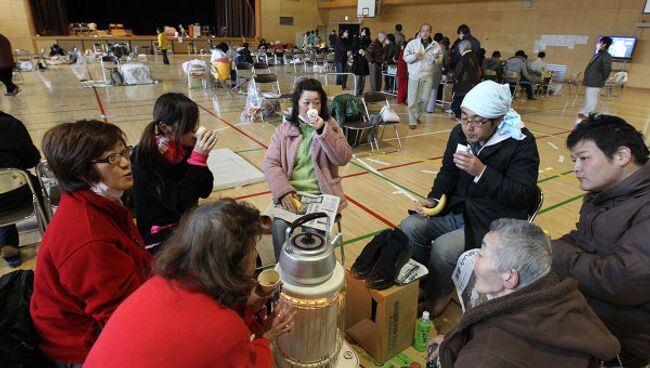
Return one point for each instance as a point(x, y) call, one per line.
point(436, 242)
point(341, 80)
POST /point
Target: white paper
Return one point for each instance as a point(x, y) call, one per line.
point(231, 170)
point(311, 203)
point(464, 279)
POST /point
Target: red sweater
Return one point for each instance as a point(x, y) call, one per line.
point(91, 258)
point(163, 325)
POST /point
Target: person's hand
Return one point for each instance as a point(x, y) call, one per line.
point(316, 122)
point(280, 321)
point(256, 302)
point(434, 344)
point(206, 142)
point(288, 203)
point(468, 163)
point(418, 55)
point(428, 203)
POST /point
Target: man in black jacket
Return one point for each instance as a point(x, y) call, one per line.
point(16, 151)
point(464, 33)
point(489, 171)
point(596, 74)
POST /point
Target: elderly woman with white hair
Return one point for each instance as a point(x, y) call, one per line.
point(532, 318)
point(489, 171)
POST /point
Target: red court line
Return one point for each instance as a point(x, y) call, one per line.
point(252, 195)
point(99, 101)
point(554, 134)
point(371, 212)
point(232, 126)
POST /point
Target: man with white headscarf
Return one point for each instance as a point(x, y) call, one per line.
point(489, 171)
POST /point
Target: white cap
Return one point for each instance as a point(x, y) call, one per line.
point(425, 315)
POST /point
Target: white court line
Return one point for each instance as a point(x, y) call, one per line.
point(560, 159)
point(377, 161)
point(428, 172)
point(420, 135)
point(374, 171)
point(553, 145)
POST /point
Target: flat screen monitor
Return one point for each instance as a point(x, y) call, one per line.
point(622, 47)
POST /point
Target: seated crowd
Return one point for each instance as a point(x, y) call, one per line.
point(178, 289)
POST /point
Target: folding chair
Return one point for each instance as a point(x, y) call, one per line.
point(574, 80)
point(489, 74)
point(269, 87)
point(357, 127)
point(536, 204)
point(11, 179)
point(261, 68)
point(108, 59)
point(244, 73)
point(49, 187)
point(544, 85)
point(380, 98)
point(617, 80)
point(24, 56)
point(351, 78)
point(221, 76)
point(195, 74)
point(513, 79)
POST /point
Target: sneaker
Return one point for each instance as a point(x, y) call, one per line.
point(412, 126)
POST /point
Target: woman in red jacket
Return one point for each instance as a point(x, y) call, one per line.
point(196, 312)
point(91, 257)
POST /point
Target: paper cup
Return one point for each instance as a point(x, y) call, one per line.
point(199, 132)
point(269, 282)
point(463, 148)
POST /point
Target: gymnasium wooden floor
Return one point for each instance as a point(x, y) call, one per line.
point(377, 201)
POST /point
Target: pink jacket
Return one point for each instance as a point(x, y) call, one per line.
point(329, 150)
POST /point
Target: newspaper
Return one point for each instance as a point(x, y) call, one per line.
point(311, 203)
point(464, 279)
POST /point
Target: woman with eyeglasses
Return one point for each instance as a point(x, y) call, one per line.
point(91, 256)
point(170, 169)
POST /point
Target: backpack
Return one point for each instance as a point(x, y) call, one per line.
point(19, 343)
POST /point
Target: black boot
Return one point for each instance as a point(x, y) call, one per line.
point(369, 255)
point(395, 255)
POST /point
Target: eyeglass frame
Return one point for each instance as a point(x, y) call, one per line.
point(473, 123)
point(126, 153)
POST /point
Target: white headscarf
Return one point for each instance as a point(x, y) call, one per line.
point(492, 100)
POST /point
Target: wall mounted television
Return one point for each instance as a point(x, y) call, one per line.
point(622, 47)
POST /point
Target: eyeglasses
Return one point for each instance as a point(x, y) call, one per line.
point(115, 158)
point(473, 123)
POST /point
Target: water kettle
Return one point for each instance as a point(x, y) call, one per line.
point(307, 258)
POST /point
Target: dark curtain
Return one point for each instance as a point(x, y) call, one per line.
point(50, 17)
point(236, 17)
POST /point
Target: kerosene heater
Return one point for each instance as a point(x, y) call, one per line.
point(314, 285)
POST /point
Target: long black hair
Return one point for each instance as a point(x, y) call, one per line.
point(308, 85)
point(172, 109)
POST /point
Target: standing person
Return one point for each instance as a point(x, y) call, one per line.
point(163, 44)
point(201, 308)
point(467, 74)
point(464, 33)
point(399, 36)
point(608, 252)
point(596, 73)
point(312, 36)
point(91, 257)
point(317, 39)
point(402, 76)
point(421, 54)
point(341, 50)
point(17, 152)
point(360, 66)
point(305, 154)
point(375, 57)
point(332, 39)
point(7, 66)
point(437, 77)
point(391, 55)
point(305, 40)
point(170, 167)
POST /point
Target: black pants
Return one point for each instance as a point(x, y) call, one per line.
point(341, 80)
point(164, 54)
point(15, 199)
point(456, 101)
point(5, 77)
point(628, 360)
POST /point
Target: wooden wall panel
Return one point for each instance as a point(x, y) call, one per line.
point(15, 23)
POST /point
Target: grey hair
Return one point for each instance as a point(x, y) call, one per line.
point(465, 45)
point(381, 33)
point(522, 246)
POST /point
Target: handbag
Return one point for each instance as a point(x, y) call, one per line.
point(388, 115)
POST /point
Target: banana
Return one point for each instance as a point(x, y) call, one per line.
point(296, 202)
point(430, 212)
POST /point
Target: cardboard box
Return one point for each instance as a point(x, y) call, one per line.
point(382, 322)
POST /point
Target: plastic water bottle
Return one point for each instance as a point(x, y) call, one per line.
point(422, 332)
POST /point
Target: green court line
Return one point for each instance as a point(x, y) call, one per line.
point(388, 180)
point(349, 241)
point(554, 176)
point(561, 203)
